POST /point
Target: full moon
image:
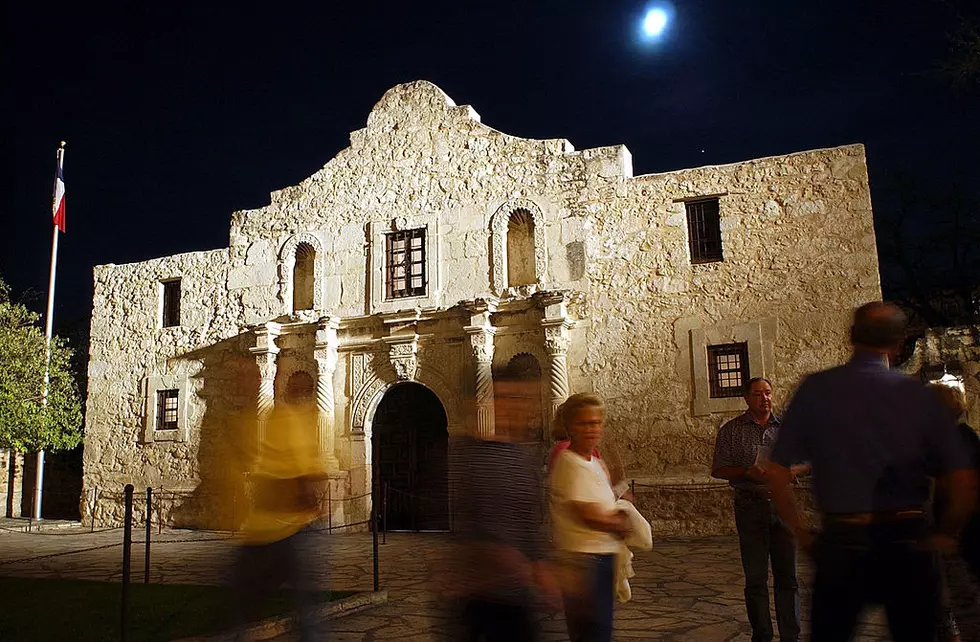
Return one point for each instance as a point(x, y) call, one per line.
point(654, 22)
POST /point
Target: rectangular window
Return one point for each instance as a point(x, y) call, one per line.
point(171, 303)
point(704, 230)
point(405, 263)
point(728, 369)
point(167, 409)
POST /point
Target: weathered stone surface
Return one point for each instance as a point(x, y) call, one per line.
point(799, 253)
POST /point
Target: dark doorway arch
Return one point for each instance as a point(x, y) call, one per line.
point(411, 453)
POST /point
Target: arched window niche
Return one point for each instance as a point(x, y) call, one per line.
point(301, 273)
point(518, 251)
point(303, 277)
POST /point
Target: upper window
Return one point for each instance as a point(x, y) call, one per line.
point(728, 369)
point(171, 303)
point(405, 263)
point(704, 230)
point(167, 409)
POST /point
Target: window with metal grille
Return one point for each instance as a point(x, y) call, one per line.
point(405, 263)
point(171, 303)
point(704, 230)
point(728, 369)
point(167, 409)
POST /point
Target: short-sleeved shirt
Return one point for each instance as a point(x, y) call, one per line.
point(560, 447)
point(873, 437)
point(575, 479)
point(743, 442)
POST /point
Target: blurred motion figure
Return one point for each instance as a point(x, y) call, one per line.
point(285, 472)
point(499, 567)
point(874, 438)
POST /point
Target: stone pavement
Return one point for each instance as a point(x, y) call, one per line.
point(687, 589)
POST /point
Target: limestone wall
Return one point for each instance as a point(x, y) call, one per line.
point(128, 346)
point(799, 254)
point(953, 353)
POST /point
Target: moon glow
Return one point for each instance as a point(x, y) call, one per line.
point(655, 22)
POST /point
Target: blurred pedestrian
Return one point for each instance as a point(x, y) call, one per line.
point(501, 565)
point(874, 437)
point(588, 528)
point(741, 451)
point(953, 399)
point(285, 475)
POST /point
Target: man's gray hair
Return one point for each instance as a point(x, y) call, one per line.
point(747, 388)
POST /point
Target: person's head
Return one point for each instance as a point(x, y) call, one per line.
point(879, 327)
point(300, 390)
point(514, 405)
point(758, 396)
point(583, 417)
point(952, 399)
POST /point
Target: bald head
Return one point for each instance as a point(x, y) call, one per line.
point(878, 326)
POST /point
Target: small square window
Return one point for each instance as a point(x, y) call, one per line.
point(167, 409)
point(704, 230)
point(728, 369)
point(405, 263)
point(171, 303)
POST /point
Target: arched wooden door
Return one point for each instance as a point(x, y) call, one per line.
point(411, 451)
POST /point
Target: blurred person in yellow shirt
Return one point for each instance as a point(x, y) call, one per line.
point(285, 477)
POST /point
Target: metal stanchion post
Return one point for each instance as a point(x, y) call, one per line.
point(149, 523)
point(384, 514)
point(329, 509)
point(127, 552)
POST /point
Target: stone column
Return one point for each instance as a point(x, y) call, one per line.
point(555, 323)
point(556, 345)
point(481, 341)
point(266, 352)
point(325, 353)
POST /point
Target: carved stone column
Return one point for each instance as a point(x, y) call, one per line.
point(556, 325)
point(481, 341)
point(556, 345)
point(325, 353)
point(266, 352)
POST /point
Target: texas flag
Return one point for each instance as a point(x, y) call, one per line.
point(58, 204)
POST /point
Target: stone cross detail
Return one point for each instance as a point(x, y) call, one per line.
point(325, 353)
point(266, 352)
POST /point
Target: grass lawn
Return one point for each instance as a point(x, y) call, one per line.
point(80, 610)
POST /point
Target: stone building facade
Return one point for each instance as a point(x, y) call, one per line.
point(434, 251)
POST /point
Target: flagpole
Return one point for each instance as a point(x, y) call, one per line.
point(48, 331)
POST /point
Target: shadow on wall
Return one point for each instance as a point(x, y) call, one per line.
point(226, 434)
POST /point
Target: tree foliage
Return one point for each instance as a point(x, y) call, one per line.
point(27, 424)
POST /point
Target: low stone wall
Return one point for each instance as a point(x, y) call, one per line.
point(199, 509)
point(698, 508)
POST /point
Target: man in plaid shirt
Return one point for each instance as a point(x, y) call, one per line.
point(741, 451)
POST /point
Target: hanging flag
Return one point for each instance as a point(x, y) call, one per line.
point(58, 204)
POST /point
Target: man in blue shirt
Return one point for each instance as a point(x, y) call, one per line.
point(874, 438)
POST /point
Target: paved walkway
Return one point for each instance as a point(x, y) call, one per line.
point(685, 590)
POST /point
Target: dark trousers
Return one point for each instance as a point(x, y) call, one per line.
point(262, 569)
point(488, 621)
point(877, 564)
point(763, 537)
point(589, 610)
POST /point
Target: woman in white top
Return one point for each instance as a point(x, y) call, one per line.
point(587, 526)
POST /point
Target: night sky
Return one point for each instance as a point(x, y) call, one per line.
point(175, 117)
